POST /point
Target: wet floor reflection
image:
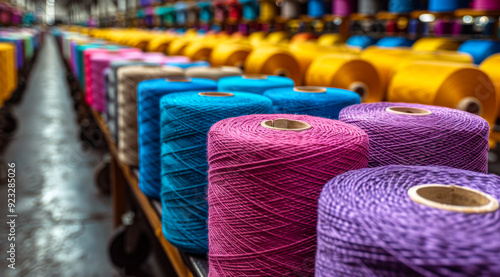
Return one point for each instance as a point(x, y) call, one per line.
point(63, 223)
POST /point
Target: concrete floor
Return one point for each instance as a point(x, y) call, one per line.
point(63, 223)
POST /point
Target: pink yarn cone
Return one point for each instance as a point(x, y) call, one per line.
point(264, 186)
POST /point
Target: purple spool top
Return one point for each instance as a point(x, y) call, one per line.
point(369, 226)
point(413, 137)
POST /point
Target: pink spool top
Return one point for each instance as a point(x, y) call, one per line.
point(133, 55)
point(343, 7)
point(88, 73)
point(166, 59)
point(154, 54)
point(264, 186)
point(486, 5)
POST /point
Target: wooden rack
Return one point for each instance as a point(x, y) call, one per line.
point(122, 175)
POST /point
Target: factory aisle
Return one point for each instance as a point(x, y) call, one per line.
point(63, 223)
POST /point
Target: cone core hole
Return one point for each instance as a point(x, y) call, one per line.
point(360, 88)
point(216, 94)
point(285, 124)
point(255, 76)
point(282, 73)
point(178, 79)
point(471, 105)
point(408, 111)
point(453, 198)
point(310, 89)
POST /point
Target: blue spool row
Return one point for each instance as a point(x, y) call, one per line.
point(447, 5)
point(395, 42)
point(480, 49)
point(402, 6)
point(315, 8)
point(361, 41)
point(149, 94)
point(258, 86)
point(185, 120)
point(181, 11)
point(250, 9)
point(191, 64)
point(206, 13)
point(327, 104)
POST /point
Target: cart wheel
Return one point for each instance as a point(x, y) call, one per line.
point(102, 176)
point(122, 258)
point(8, 123)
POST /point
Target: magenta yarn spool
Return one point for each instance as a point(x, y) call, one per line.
point(98, 64)
point(442, 27)
point(414, 134)
point(457, 28)
point(265, 176)
point(343, 7)
point(486, 5)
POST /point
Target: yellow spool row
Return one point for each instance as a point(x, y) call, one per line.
point(267, 10)
point(450, 85)
point(160, 43)
point(176, 47)
point(273, 61)
point(491, 67)
point(330, 39)
point(277, 37)
point(8, 71)
point(199, 50)
point(256, 38)
point(307, 52)
point(435, 44)
point(346, 72)
point(230, 54)
point(388, 61)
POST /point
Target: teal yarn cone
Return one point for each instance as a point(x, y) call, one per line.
point(185, 120)
point(315, 101)
point(149, 94)
point(254, 83)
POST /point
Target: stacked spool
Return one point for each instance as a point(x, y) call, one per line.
point(361, 231)
point(128, 79)
point(315, 101)
point(230, 54)
point(346, 72)
point(343, 7)
point(388, 61)
point(87, 66)
point(265, 177)
point(149, 94)
point(186, 65)
point(414, 134)
point(450, 85)
point(290, 9)
point(256, 83)
point(490, 66)
point(112, 94)
point(213, 73)
point(371, 6)
point(305, 53)
point(185, 120)
point(8, 72)
point(480, 49)
point(270, 60)
point(435, 44)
